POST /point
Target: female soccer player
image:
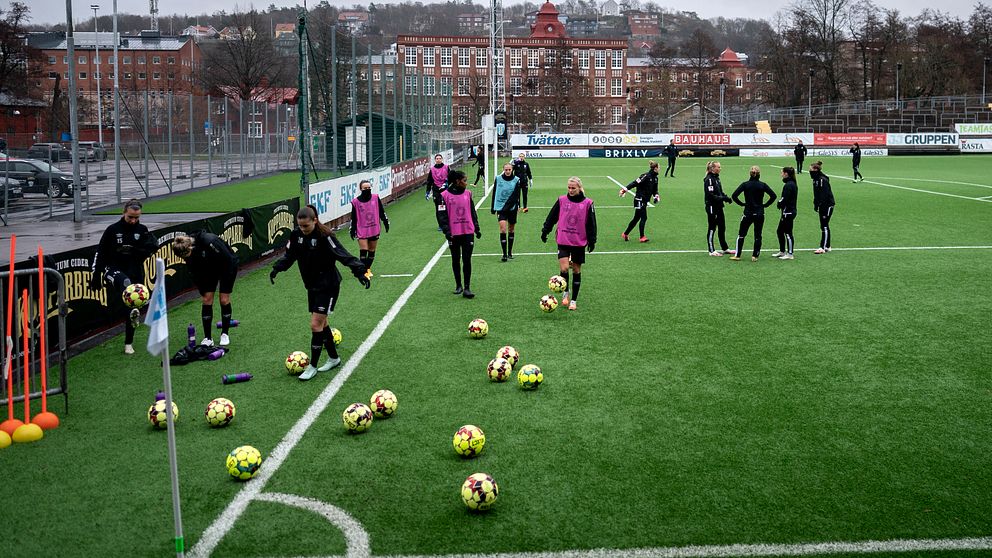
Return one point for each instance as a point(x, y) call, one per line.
point(119, 261)
point(754, 191)
point(575, 216)
point(437, 180)
point(506, 201)
point(521, 168)
point(856, 162)
point(214, 266)
point(647, 188)
point(787, 203)
point(714, 199)
point(367, 213)
point(823, 204)
point(315, 249)
point(479, 160)
point(458, 221)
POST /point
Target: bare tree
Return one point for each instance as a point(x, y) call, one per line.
point(826, 21)
point(18, 62)
point(700, 54)
point(245, 65)
point(788, 57)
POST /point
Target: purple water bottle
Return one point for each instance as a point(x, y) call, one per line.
point(235, 378)
point(160, 396)
point(216, 354)
point(191, 334)
point(234, 323)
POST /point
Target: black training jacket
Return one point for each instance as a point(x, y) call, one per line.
point(823, 196)
point(125, 247)
point(754, 192)
point(315, 255)
point(713, 191)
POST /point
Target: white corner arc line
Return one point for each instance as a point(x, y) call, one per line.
point(925, 191)
point(742, 550)
point(355, 536)
point(223, 523)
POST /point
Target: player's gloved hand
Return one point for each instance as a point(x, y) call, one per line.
point(353, 233)
point(364, 281)
point(272, 276)
point(544, 237)
point(448, 238)
point(386, 225)
point(591, 248)
point(427, 196)
point(478, 234)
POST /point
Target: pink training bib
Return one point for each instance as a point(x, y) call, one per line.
point(459, 209)
point(367, 216)
point(572, 221)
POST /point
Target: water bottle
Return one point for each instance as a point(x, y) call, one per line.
point(160, 396)
point(191, 333)
point(216, 354)
point(235, 378)
point(234, 323)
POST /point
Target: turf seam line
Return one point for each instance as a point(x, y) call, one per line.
point(925, 191)
point(355, 536)
point(214, 533)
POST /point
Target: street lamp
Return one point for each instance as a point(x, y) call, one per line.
point(809, 109)
point(898, 69)
point(985, 71)
point(99, 77)
point(723, 85)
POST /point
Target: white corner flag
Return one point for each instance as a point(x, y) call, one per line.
point(157, 318)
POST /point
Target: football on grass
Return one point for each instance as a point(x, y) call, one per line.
point(469, 441)
point(136, 295)
point(296, 362)
point(478, 328)
point(479, 492)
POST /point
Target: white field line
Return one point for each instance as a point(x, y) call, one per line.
point(985, 198)
point(624, 187)
point(932, 180)
point(742, 550)
point(853, 249)
point(925, 191)
point(397, 275)
point(223, 523)
point(355, 537)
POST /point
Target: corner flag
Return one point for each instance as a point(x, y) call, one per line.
point(157, 318)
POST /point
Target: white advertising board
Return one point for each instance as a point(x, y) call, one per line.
point(770, 139)
point(332, 198)
point(770, 152)
point(976, 145)
point(549, 140)
point(972, 129)
point(555, 153)
point(926, 140)
point(845, 152)
point(629, 140)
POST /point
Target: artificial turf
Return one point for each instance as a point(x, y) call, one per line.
point(689, 400)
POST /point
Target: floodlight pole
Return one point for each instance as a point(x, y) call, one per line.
point(809, 108)
point(985, 72)
point(898, 69)
point(99, 78)
point(77, 212)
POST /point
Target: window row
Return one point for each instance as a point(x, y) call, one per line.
point(110, 60)
point(445, 56)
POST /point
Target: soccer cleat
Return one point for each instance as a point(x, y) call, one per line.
point(509, 256)
point(331, 363)
point(135, 317)
point(735, 258)
point(468, 293)
point(827, 249)
point(787, 257)
point(308, 372)
point(564, 298)
point(224, 340)
point(754, 258)
point(458, 290)
point(207, 342)
point(717, 254)
point(778, 254)
point(571, 305)
point(624, 237)
point(643, 239)
point(503, 259)
point(129, 349)
point(819, 251)
point(731, 252)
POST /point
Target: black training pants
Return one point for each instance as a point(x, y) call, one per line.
point(715, 223)
point(746, 221)
point(461, 247)
point(786, 242)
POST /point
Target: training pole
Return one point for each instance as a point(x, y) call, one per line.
point(26, 358)
point(11, 424)
point(44, 419)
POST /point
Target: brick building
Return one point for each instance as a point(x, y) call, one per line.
point(552, 81)
point(148, 61)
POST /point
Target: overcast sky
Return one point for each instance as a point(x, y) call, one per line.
point(53, 11)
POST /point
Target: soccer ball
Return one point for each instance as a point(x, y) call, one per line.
point(549, 303)
point(469, 441)
point(357, 417)
point(296, 362)
point(383, 403)
point(336, 335)
point(220, 412)
point(136, 295)
point(243, 462)
point(557, 284)
point(498, 369)
point(479, 491)
point(510, 354)
point(529, 377)
point(157, 414)
point(478, 328)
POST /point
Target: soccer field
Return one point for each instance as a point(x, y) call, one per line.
point(692, 405)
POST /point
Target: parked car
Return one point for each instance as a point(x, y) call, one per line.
point(14, 188)
point(38, 177)
point(53, 152)
point(94, 151)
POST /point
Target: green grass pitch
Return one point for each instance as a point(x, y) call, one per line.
point(690, 400)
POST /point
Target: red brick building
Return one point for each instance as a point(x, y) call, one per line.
point(148, 61)
point(551, 81)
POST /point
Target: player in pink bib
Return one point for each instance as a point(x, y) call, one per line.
point(575, 217)
point(368, 216)
point(458, 221)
